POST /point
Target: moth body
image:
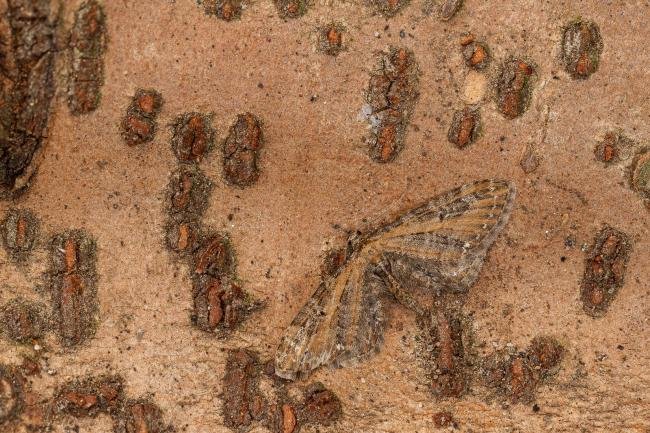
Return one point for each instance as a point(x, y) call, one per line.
point(439, 246)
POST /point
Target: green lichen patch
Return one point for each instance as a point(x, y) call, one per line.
point(12, 401)
point(192, 137)
point(292, 8)
point(331, 39)
point(188, 194)
point(446, 350)
point(24, 321)
point(20, 233)
point(582, 46)
point(465, 127)
point(241, 151)
point(605, 266)
point(392, 94)
point(87, 45)
point(514, 87)
point(73, 279)
point(141, 416)
point(139, 125)
point(613, 148)
point(90, 396)
point(640, 173)
point(227, 10)
point(389, 8)
point(515, 375)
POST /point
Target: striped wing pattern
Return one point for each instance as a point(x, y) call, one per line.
point(447, 239)
point(342, 321)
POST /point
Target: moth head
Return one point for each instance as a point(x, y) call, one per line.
point(336, 258)
point(355, 238)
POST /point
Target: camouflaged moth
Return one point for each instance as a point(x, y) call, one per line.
point(439, 246)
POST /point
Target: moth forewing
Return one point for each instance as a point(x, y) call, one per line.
point(320, 335)
point(444, 242)
point(290, 356)
point(448, 238)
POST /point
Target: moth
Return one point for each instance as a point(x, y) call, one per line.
point(439, 246)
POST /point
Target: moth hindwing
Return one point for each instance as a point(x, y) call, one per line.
point(440, 245)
